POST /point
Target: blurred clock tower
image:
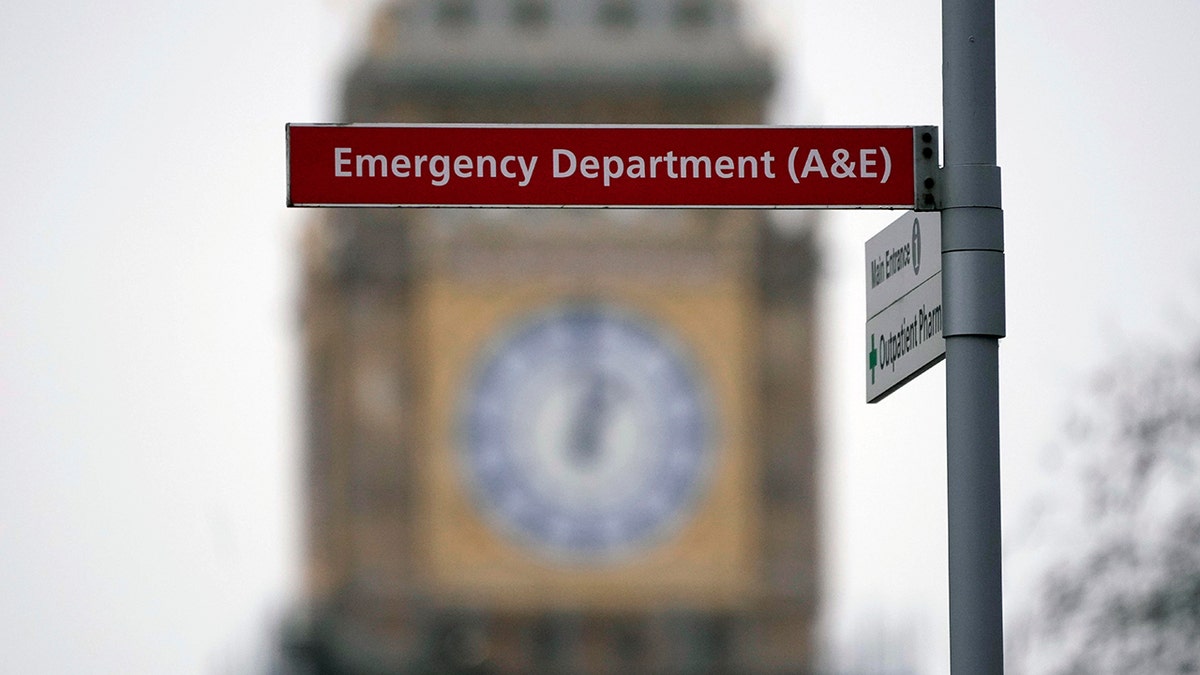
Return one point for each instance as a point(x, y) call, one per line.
point(559, 441)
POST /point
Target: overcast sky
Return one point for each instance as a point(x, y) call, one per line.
point(148, 357)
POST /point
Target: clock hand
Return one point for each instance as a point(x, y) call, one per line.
point(589, 422)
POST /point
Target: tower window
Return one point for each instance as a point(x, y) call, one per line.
point(531, 14)
point(694, 14)
point(619, 14)
point(455, 14)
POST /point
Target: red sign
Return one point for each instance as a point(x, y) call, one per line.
point(598, 166)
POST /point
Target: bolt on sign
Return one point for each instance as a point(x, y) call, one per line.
point(605, 166)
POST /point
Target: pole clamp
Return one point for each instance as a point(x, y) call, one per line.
point(970, 185)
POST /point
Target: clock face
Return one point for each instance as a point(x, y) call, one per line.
point(586, 434)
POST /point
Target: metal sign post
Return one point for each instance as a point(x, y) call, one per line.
point(973, 297)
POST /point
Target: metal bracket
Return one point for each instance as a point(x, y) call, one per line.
point(973, 293)
point(926, 174)
point(971, 185)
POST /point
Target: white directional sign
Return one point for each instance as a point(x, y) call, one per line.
point(904, 302)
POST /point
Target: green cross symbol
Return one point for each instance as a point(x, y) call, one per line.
point(872, 359)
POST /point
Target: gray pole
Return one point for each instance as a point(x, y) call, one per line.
point(973, 298)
